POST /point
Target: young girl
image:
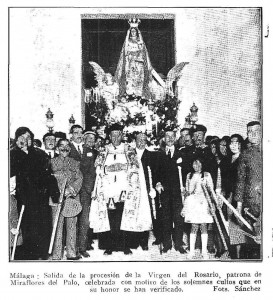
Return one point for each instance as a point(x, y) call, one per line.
point(196, 208)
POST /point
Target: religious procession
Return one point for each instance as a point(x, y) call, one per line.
point(136, 184)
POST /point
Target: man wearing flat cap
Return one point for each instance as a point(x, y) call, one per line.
point(200, 148)
point(116, 209)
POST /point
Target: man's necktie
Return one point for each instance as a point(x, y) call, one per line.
point(169, 153)
point(79, 150)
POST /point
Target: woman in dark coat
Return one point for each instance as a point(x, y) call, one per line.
point(236, 236)
point(35, 185)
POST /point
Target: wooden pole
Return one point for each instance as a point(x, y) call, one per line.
point(214, 196)
point(17, 233)
point(181, 183)
point(214, 216)
point(236, 213)
point(151, 187)
point(57, 217)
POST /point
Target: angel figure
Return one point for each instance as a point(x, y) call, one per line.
point(107, 87)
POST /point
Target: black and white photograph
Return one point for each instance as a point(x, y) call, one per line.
point(135, 136)
point(138, 149)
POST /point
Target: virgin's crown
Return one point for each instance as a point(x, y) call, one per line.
point(134, 22)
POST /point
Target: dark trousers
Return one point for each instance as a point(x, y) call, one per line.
point(172, 222)
point(115, 239)
point(36, 230)
point(157, 222)
point(83, 220)
point(136, 239)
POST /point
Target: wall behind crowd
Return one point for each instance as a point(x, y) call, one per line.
point(222, 47)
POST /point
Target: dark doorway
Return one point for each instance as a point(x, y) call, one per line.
point(102, 41)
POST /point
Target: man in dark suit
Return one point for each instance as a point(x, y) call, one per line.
point(200, 148)
point(50, 144)
point(187, 155)
point(171, 200)
point(88, 170)
point(82, 151)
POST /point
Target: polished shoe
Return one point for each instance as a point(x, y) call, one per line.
point(181, 250)
point(89, 247)
point(108, 252)
point(74, 258)
point(145, 248)
point(166, 249)
point(84, 254)
point(128, 251)
point(156, 242)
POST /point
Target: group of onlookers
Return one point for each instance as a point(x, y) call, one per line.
point(184, 182)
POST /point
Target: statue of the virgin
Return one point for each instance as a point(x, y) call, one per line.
point(134, 70)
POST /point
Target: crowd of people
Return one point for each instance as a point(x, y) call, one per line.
point(192, 191)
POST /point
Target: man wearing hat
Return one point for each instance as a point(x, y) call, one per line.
point(59, 135)
point(87, 167)
point(67, 170)
point(248, 192)
point(183, 133)
point(200, 147)
point(170, 189)
point(116, 211)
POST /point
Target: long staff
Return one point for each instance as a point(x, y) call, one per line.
point(214, 216)
point(214, 196)
point(151, 187)
point(94, 192)
point(181, 183)
point(17, 233)
point(246, 210)
point(57, 217)
point(236, 213)
point(94, 205)
point(256, 238)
